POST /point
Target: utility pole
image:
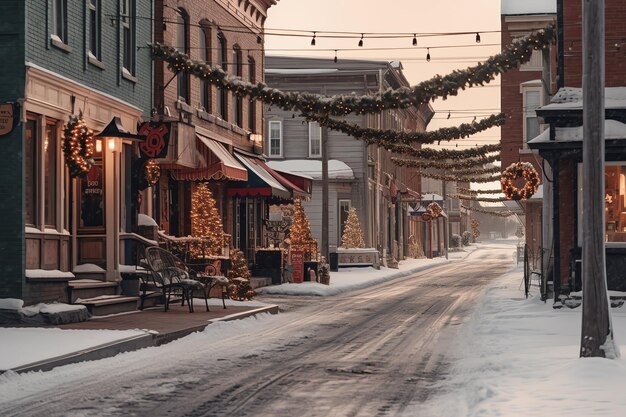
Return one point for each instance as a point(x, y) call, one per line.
point(597, 333)
point(325, 249)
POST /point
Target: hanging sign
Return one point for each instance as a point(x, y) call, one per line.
point(157, 138)
point(8, 117)
point(427, 217)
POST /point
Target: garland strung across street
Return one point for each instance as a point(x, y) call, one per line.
point(517, 170)
point(513, 55)
point(463, 164)
point(464, 130)
point(457, 178)
point(473, 192)
point(441, 154)
point(505, 213)
point(476, 171)
point(78, 146)
point(476, 198)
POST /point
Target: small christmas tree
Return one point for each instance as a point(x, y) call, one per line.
point(300, 231)
point(352, 233)
point(238, 265)
point(239, 276)
point(205, 223)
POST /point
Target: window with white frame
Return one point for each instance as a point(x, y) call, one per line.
point(315, 140)
point(59, 20)
point(275, 128)
point(182, 44)
point(127, 21)
point(94, 21)
point(531, 97)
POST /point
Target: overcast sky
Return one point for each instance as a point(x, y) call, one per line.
point(413, 16)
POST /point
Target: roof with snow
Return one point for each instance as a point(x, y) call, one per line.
point(571, 98)
point(511, 7)
point(312, 168)
point(612, 130)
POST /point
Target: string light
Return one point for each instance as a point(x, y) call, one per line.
point(259, 40)
point(78, 146)
point(313, 40)
point(414, 39)
point(152, 172)
point(448, 115)
point(335, 56)
point(428, 55)
point(477, 37)
point(361, 41)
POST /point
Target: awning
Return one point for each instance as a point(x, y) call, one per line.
point(215, 162)
point(260, 181)
point(300, 186)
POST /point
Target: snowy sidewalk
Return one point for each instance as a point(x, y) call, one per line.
point(518, 357)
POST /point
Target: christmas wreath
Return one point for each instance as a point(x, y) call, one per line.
point(78, 146)
point(153, 172)
point(435, 210)
point(516, 170)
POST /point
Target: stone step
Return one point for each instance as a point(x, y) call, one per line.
point(89, 288)
point(109, 304)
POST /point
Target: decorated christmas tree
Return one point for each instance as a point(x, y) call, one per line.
point(300, 231)
point(205, 223)
point(238, 265)
point(352, 233)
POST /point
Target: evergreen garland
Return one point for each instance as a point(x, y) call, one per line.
point(462, 164)
point(442, 154)
point(513, 55)
point(380, 137)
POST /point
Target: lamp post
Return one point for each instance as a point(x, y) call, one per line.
point(112, 137)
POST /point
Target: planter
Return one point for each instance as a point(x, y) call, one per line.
point(358, 257)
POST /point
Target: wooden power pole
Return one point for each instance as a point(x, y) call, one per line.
point(597, 334)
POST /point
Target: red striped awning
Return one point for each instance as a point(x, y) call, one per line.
point(215, 162)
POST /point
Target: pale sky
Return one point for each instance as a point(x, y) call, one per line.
point(413, 16)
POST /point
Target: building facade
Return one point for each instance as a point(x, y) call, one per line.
point(360, 175)
point(62, 58)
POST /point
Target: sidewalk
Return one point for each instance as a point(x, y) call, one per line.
point(43, 348)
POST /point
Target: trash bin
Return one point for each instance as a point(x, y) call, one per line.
point(334, 261)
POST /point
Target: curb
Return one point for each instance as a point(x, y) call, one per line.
point(149, 339)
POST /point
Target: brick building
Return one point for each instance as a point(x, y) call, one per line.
point(561, 145)
point(214, 136)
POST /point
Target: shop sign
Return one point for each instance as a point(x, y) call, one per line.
point(8, 117)
point(297, 262)
point(157, 139)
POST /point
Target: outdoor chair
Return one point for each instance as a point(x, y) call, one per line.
point(170, 274)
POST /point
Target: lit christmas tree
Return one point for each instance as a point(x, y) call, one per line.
point(206, 223)
point(238, 265)
point(300, 231)
point(352, 233)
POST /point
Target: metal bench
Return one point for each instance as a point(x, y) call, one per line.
point(170, 274)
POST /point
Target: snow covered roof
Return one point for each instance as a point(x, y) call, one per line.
point(612, 130)
point(527, 6)
point(432, 197)
point(571, 98)
point(312, 168)
point(300, 71)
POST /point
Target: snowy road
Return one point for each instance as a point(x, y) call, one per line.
point(372, 352)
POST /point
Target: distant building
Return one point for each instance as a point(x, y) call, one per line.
point(360, 176)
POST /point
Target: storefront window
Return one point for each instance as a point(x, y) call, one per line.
point(91, 194)
point(30, 173)
point(614, 203)
point(50, 169)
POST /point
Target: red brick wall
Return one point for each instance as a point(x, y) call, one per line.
point(615, 32)
point(235, 32)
